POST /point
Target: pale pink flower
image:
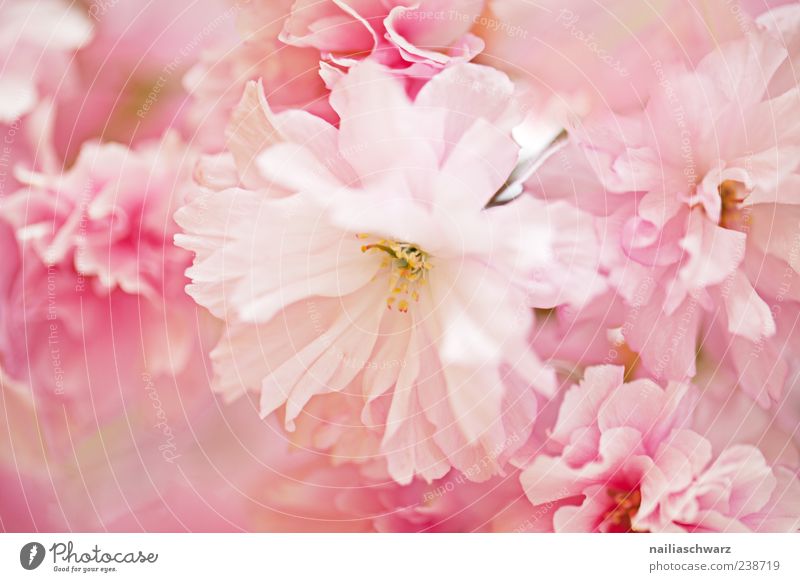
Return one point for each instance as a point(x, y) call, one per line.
point(697, 202)
point(368, 269)
point(569, 336)
point(627, 461)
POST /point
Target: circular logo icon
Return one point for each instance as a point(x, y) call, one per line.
point(31, 555)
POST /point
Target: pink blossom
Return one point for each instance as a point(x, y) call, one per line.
point(108, 215)
point(425, 340)
point(597, 56)
point(726, 416)
point(27, 499)
point(37, 38)
point(92, 288)
point(299, 50)
point(133, 69)
point(341, 499)
point(629, 461)
point(201, 474)
point(229, 471)
point(455, 504)
point(339, 265)
point(217, 81)
point(698, 212)
point(397, 33)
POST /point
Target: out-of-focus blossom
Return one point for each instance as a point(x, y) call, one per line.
point(221, 468)
point(37, 38)
point(109, 216)
point(290, 75)
point(93, 283)
point(783, 24)
point(27, 501)
point(597, 56)
point(628, 461)
point(325, 498)
point(132, 71)
point(726, 417)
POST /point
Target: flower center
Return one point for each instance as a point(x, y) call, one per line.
point(732, 215)
point(408, 266)
point(626, 506)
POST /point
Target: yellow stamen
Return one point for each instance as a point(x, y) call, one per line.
point(408, 266)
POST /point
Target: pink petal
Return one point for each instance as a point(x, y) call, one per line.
point(749, 315)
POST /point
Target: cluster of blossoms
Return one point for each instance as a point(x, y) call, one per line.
point(383, 265)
